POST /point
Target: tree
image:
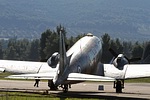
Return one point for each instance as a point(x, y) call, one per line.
point(1, 51)
point(11, 53)
point(22, 49)
point(127, 49)
point(49, 42)
point(106, 56)
point(52, 45)
point(137, 50)
point(43, 40)
point(17, 49)
point(119, 46)
point(34, 50)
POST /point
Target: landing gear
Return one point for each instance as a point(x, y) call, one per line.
point(51, 85)
point(65, 87)
point(119, 85)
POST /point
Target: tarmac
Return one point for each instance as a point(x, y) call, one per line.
point(140, 91)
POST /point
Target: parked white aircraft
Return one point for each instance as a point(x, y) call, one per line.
point(80, 63)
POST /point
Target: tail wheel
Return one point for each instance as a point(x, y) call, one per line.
point(65, 88)
point(51, 85)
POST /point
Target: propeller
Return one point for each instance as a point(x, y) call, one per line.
point(113, 52)
point(116, 55)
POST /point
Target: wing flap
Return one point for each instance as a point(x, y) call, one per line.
point(33, 76)
point(87, 77)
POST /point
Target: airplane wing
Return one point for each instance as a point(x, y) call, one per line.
point(130, 71)
point(137, 71)
point(48, 76)
point(87, 77)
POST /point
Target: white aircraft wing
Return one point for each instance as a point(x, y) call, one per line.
point(48, 76)
point(87, 77)
point(137, 71)
point(129, 71)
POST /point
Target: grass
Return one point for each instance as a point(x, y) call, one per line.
point(24, 96)
point(30, 96)
point(139, 80)
point(3, 75)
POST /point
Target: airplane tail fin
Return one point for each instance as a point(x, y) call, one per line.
point(63, 60)
point(62, 52)
point(146, 54)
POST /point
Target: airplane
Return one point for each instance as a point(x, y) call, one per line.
point(81, 63)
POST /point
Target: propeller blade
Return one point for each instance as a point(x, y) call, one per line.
point(113, 52)
point(134, 59)
point(43, 60)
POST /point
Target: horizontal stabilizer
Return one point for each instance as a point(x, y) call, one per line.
point(33, 76)
point(87, 77)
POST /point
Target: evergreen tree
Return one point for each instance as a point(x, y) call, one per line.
point(49, 42)
point(1, 51)
point(17, 49)
point(106, 56)
point(34, 50)
point(43, 40)
point(52, 45)
point(11, 53)
point(127, 49)
point(137, 50)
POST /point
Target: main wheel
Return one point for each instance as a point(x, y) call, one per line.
point(118, 87)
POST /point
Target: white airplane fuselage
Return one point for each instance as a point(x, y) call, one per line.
point(85, 56)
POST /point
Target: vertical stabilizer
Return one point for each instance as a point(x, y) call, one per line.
point(63, 61)
point(62, 51)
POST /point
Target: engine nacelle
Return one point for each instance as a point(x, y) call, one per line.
point(120, 61)
point(53, 60)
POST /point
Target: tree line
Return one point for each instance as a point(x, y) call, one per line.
point(43, 48)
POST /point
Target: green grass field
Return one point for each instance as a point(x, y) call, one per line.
point(23, 96)
point(140, 80)
point(30, 96)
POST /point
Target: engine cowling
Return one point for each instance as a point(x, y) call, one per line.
point(120, 61)
point(53, 60)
